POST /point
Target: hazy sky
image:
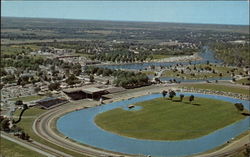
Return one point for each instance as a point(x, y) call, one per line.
point(215, 12)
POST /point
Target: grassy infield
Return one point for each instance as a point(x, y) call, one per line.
point(163, 119)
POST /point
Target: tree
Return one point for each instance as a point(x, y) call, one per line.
point(5, 125)
point(181, 97)
point(107, 82)
point(16, 128)
point(172, 94)
point(164, 93)
point(191, 98)
point(19, 102)
point(247, 151)
point(91, 78)
point(22, 135)
point(37, 89)
point(54, 86)
point(239, 106)
point(72, 79)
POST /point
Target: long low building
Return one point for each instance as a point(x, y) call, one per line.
point(51, 102)
point(90, 92)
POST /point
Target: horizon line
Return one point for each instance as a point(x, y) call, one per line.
point(99, 20)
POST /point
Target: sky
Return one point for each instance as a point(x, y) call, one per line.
point(211, 12)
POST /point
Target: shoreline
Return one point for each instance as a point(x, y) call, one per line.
point(194, 57)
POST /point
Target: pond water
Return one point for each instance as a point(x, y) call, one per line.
point(206, 54)
point(80, 126)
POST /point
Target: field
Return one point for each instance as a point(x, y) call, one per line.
point(27, 98)
point(163, 119)
point(11, 149)
point(216, 87)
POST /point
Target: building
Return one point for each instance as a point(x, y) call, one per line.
point(86, 93)
point(91, 92)
point(50, 102)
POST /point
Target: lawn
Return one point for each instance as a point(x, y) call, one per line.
point(160, 56)
point(216, 87)
point(18, 49)
point(28, 98)
point(163, 119)
point(148, 72)
point(11, 149)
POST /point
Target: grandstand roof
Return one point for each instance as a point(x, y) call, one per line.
point(92, 90)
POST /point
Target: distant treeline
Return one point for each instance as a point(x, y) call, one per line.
point(30, 28)
point(124, 56)
point(233, 53)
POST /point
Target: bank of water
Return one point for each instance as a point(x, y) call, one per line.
point(80, 126)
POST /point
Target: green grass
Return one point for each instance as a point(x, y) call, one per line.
point(162, 119)
point(160, 56)
point(11, 149)
point(28, 98)
point(17, 49)
point(216, 87)
point(148, 72)
point(26, 124)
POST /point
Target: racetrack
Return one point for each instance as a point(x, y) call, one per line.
point(43, 127)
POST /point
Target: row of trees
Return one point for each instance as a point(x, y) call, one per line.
point(172, 94)
point(124, 56)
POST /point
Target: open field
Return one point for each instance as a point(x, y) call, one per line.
point(11, 149)
point(163, 119)
point(218, 87)
point(28, 98)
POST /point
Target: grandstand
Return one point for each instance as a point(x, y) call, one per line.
point(50, 102)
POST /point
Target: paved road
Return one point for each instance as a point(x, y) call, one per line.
point(29, 146)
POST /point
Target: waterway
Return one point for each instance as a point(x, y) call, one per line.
point(80, 126)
